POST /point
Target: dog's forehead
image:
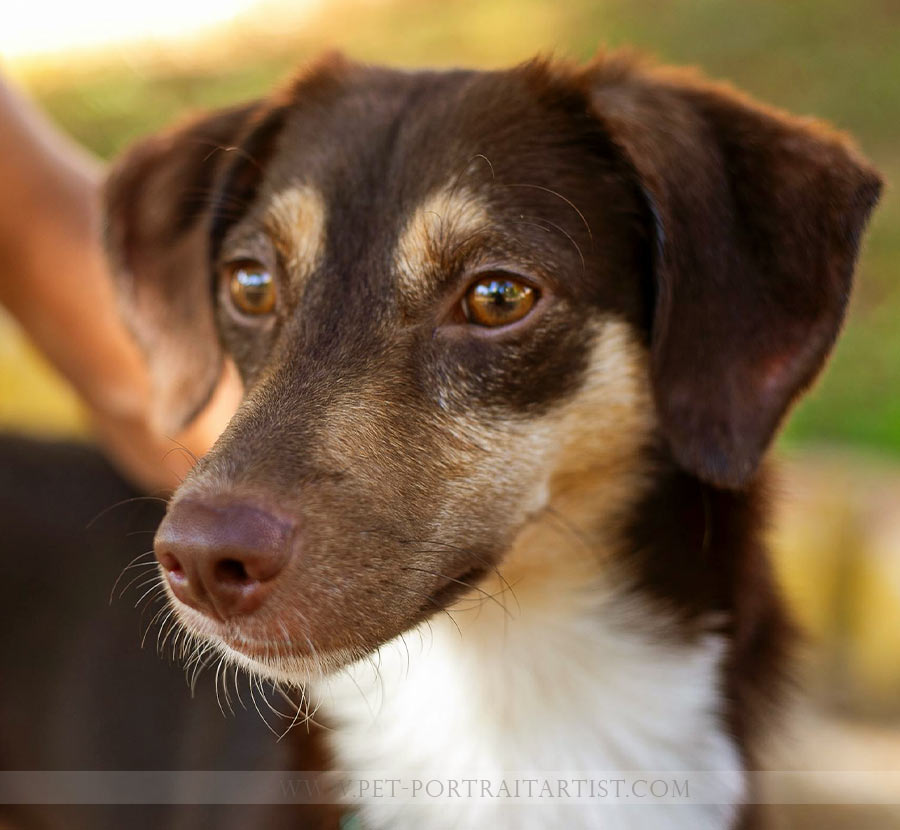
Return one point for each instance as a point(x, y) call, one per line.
point(375, 138)
point(383, 130)
point(405, 166)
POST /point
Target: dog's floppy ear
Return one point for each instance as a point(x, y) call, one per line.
point(758, 219)
point(157, 204)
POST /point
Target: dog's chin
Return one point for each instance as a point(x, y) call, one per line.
point(251, 647)
point(292, 671)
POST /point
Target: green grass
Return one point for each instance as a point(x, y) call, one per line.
point(837, 60)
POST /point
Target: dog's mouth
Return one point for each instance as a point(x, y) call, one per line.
point(283, 647)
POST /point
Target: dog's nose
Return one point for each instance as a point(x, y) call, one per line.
point(222, 559)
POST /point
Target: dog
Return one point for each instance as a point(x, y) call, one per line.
point(514, 344)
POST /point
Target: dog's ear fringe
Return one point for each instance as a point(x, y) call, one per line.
point(156, 209)
point(160, 208)
point(614, 67)
point(759, 216)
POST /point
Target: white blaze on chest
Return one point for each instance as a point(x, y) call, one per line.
point(572, 679)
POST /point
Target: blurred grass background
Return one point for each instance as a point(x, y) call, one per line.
point(834, 59)
point(837, 537)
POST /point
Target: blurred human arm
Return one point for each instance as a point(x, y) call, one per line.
point(54, 281)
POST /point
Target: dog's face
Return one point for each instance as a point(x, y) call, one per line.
point(457, 300)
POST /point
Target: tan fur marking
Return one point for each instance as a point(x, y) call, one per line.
point(586, 457)
point(444, 219)
point(296, 220)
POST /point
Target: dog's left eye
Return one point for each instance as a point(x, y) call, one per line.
point(251, 287)
point(498, 301)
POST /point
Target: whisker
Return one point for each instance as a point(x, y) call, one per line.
point(488, 161)
point(122, 503)
point(131, 564)
point(158, 586)
point(258, 711)
point(144, 566)
point(162, 627)
point(219, 663)
point(237, 690)
point(156, 616)
point(507, 587)
point(462, 582)
point(204, 658)
point(293, 723)
point(558, 195)
point(186, 450)
point(151, 580)
point(433, 602)
point(563, 231)
point(567, 524)
point(228, 148)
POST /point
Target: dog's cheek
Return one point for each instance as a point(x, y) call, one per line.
point(586, 447)
point(605, 428)
point(522, 375)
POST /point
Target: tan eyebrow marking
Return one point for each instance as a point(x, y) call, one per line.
point(444, 218)
point(296, 220)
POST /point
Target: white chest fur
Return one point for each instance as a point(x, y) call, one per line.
point(573, 678)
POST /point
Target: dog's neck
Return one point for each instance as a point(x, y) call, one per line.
point(553, 664)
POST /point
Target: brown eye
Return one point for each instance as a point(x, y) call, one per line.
point(252, 287)
point(498, 301)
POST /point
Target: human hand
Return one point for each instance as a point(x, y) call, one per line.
point(55, 282)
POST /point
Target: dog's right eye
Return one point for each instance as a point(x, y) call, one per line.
point(251, 287)
point(497, 301)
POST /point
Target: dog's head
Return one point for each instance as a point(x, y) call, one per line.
point(457, 298)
